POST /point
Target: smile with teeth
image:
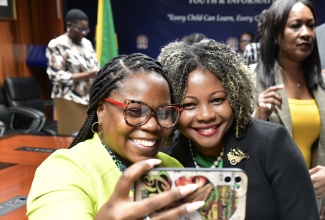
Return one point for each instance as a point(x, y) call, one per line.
point(144, 142)
point(206, 130)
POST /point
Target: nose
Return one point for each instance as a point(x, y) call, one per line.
point(307, 31)
point(205, 113)
point(151, 124)
point(84, 33)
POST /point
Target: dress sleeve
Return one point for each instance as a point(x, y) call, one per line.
point(57, 69)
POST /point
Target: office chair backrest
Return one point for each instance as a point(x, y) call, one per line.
point(4, 114)
point(23, 91)
point(8, 124)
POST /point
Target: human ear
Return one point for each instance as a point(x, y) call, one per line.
point(100, 112)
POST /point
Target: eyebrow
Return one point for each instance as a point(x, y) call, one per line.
point(213, 93)
point(300, 20)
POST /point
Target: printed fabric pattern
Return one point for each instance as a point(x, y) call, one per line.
point(251, 53)
point(66, 58)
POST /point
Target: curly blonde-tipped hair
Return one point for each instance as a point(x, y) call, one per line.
point(180, 59)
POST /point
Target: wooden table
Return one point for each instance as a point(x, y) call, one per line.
point(20, 155)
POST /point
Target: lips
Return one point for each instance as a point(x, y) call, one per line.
point(207, 131)
point(305, 46)
point(145, 143)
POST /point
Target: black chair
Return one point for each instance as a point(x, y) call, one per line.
point(2, 128)
point(24, 91)
point(7, 115)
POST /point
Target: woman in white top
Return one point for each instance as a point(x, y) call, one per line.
point(72, 66)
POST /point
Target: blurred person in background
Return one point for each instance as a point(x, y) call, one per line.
point(252, 50)
point(245, 39)
point(72, 67)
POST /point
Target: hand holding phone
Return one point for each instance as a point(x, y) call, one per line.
point(222, 190)
point(121, 206)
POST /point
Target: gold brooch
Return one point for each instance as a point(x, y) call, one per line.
point(236, 155)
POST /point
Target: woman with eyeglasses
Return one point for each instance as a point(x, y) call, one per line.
point(72, 67)
point(245, 39)
point(130, 117)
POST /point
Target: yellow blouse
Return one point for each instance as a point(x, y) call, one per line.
point(305, 125)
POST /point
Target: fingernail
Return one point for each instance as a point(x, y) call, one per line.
point(281, 86)
point(153, 162)
point(184, 190)
point(194, 206)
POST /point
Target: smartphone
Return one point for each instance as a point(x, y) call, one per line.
point(223, 190)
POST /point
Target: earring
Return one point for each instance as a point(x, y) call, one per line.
point(92, 128)
point(68, 29)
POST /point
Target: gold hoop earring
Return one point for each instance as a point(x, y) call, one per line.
point(92, 128)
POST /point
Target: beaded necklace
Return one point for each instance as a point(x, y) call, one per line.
point(216, 164)
point(117, 161)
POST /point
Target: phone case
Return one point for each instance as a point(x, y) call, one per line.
point(223, 190)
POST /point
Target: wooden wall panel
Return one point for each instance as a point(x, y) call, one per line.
point(7, 64)
point(37, 22)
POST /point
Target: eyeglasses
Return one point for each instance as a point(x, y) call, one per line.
point(80, 29)
point(137, 113)
point(246, 40)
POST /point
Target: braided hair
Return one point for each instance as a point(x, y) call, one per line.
point(110, 78)
point(179, 59)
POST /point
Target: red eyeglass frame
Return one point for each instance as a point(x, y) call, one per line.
point(124, 104)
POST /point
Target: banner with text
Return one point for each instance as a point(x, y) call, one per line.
point(146, 25)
